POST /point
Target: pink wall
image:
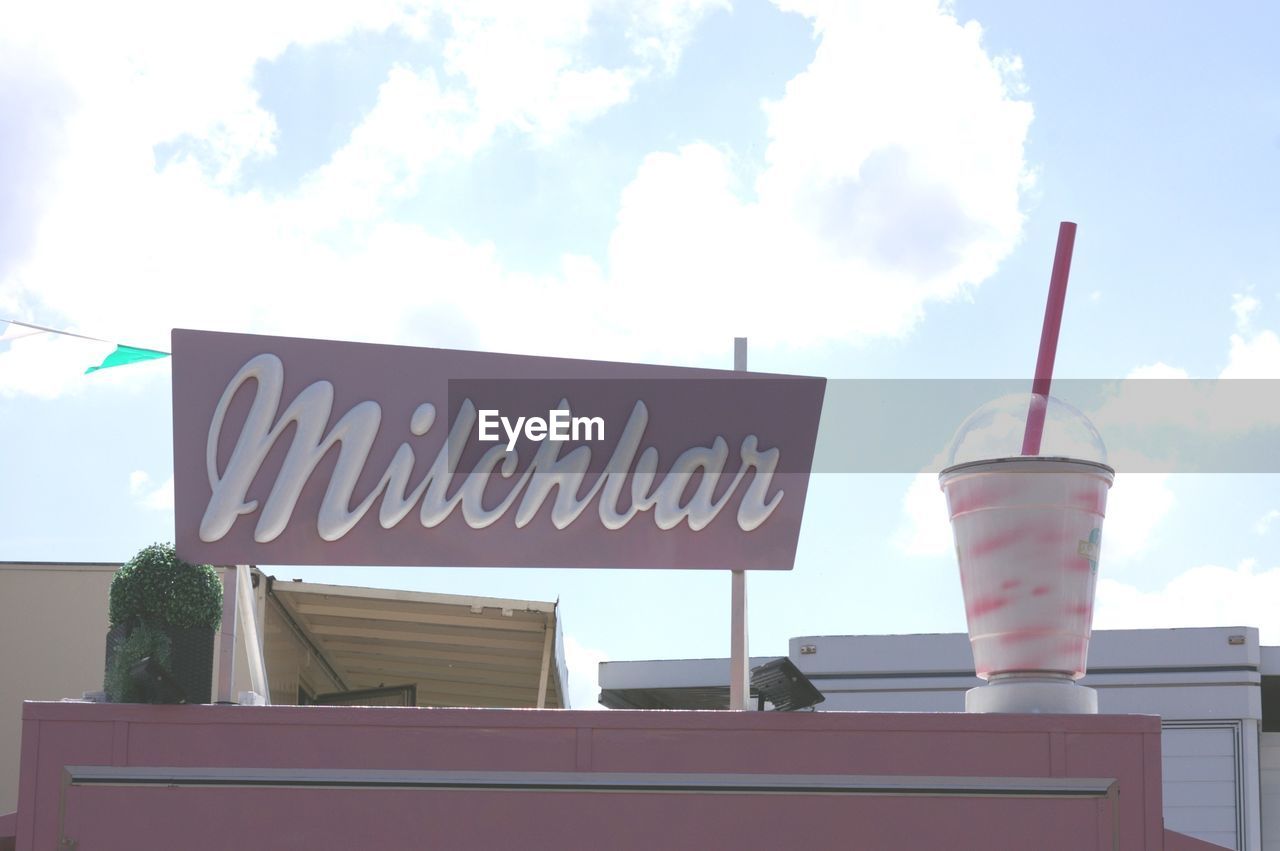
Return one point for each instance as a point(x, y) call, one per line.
point(756, 747)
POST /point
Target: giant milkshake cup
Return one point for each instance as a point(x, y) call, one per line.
point(1028, 530)
point(1028, 534)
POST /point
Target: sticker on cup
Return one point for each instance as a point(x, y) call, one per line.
point(1091, 549)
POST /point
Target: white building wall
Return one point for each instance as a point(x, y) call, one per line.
point(1203, 792)
point(1221, 775)
point(1269, 762)
point(1251, 781)
point(1204, 683)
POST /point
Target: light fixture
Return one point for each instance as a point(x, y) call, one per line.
point(781, 683)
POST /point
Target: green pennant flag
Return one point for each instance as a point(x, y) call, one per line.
point(124, 355)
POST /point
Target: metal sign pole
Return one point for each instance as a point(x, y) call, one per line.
point(739, 672)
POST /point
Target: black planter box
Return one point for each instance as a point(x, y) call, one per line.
point(191, 661)
point(190, 658)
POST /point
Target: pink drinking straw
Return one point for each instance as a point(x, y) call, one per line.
point(1049, 339)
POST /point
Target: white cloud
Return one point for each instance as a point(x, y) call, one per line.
point(584, 673)
point(1159, 369)
point(521, 69)
point(862, 214)
point(926, 527)
point(146, 72)
point(1254, 356)
point(906, 191)
point(413, 123)
point(126, 252)
point(1244, 305)
point(1209, 595)
point(1136, 505)
point(1142, 399)
point(522, 66)
point(1264, 522)
point(45, 366)
point(150, 495)
point(1165, 424)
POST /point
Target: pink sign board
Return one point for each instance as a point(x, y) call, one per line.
point(293, 451)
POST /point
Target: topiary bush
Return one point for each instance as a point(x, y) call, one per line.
point(156, 587)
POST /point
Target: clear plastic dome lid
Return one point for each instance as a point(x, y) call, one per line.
point(996, 430)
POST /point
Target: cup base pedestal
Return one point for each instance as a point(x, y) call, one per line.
point(1013, 693)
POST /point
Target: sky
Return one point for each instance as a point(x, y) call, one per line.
point(863, 189)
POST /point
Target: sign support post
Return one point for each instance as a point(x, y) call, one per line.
point(247, 622)
point(739, 660)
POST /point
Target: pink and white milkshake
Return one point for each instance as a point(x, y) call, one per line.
point(1028, 533)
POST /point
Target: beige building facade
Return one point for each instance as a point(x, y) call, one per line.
point(319, 643)
point(53, 628)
